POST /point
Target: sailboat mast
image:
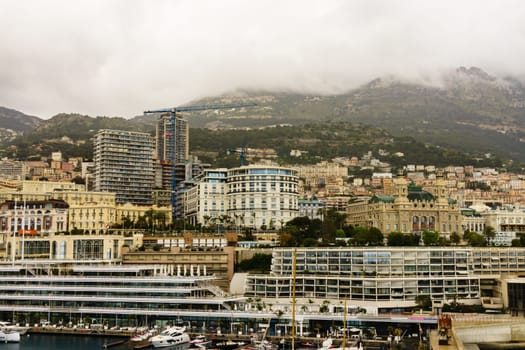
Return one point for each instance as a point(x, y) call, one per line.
point(13, 245)
point(344, 327)
point(294, 275)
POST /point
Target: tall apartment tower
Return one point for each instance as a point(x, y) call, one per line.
point(124, 165)
point(166, 135)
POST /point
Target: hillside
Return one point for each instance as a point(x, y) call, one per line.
point(468, 111)
point(69, 133)
point(14, 123)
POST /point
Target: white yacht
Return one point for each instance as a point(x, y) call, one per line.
point(170, 337)
point(9, 336)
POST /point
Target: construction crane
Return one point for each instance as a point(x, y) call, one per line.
point(173, 116)
point(241, 151)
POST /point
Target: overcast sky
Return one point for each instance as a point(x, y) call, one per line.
point(118, 58)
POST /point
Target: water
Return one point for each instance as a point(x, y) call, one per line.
point(61, 342)
point(71, 342)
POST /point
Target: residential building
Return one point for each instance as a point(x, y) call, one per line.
point(124, 165)
point(312, 208)
point(12, 170)
point(172, 131)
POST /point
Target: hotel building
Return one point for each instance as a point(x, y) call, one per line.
point(253, 195)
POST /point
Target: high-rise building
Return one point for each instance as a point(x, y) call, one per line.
point(124, 165)
point(169, 136)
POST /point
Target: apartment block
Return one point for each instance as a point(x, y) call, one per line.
point(124, 165)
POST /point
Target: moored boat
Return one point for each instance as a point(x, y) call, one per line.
point(170, 337)
point(9, 336)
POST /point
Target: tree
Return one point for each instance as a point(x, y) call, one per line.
point(475, 239)
point(455, 238)
point(367, 237)
point(395, 239)
point(424, 301)
point(489, 233)
point(259, 263)
point(430, 237)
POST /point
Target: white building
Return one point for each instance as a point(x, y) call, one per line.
point(254, 196)
point(385, 278)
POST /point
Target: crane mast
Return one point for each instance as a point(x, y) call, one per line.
point(173, 119)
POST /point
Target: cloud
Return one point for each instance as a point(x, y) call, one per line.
point(122, 57)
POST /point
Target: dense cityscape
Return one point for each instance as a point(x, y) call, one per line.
point(420, 238)
point(262, 175)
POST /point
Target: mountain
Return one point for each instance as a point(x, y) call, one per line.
point(14, 123)
point(466, 110)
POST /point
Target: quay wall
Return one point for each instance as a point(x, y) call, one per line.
point(493, 333)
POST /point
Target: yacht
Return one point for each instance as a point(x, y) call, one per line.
point(9, 336)
point(170, 337)
point(200, 341)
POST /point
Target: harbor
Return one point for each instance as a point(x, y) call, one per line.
point(116, 339)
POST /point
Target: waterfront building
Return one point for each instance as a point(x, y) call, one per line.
point(128, 295)
point(194, 261)
point(472, 221)
point(411, 210)
point(207, 198)
point(262, 196)
point(89, 212)
point(124, 165)
point(129, 214)
point(65, 246)
point(383, 279)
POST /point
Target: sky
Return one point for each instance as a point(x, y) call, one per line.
point(121, 57)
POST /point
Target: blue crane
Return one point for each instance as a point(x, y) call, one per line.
point(241, 151)
point(173, 116)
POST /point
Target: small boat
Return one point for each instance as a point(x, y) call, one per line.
point(145, 335)
point(170, 337)
point(229, 345)
point(9, 336)
point(328, 344)
point(200, 341)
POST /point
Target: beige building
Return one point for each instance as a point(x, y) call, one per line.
point(90, 212)
point(411, 209)
point(67, 247)
point(189, 262)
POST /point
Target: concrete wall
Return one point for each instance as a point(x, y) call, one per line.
point(506, 332)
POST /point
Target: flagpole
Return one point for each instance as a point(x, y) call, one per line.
point(13, 246)
point(23, 229)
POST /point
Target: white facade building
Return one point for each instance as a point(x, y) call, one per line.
point(384, 277)
point(253, 196)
